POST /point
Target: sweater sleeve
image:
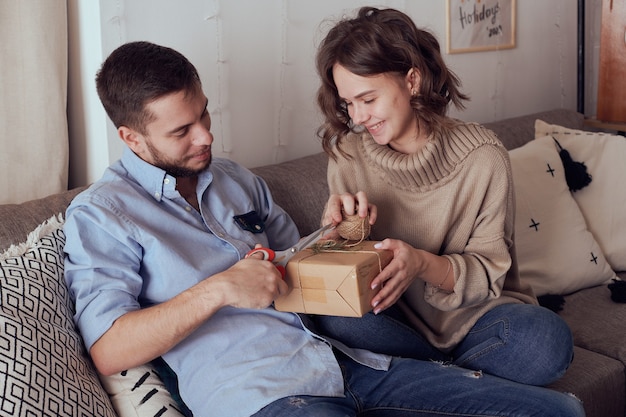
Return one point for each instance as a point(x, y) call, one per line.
point(483, 267)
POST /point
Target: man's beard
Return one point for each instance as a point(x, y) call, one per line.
point(175, 169)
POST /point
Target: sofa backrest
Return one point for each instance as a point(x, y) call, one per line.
point(300, 187)
point(18, 220)
point(516, 131)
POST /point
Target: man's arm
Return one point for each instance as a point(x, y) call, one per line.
point(140, 336)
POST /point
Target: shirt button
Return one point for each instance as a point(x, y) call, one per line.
point(188, 208)
point(220, 234)
point(166, 181)
point(157, 195)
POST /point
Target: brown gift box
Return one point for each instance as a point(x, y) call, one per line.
point(333, 282)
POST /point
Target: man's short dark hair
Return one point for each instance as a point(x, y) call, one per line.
point(137, 73)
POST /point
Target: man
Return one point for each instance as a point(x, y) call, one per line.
point(156, 265)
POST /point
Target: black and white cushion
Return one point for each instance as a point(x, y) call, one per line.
point(44, 367)
point(43, 363)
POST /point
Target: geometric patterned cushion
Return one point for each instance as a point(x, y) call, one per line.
point(44, 369)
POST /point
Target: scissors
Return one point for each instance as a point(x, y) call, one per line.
point(280, 258)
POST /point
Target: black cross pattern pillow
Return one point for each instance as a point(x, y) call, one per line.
point(556, 252)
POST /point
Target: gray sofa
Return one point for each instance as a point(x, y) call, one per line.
point(597, 375)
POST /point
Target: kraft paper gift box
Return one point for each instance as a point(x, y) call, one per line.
point(333, 281)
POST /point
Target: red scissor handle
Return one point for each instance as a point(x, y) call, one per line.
point(282, 270)
point(268, 255)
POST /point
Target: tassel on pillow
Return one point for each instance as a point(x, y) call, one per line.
point(618, 291)
point(575, 172)
point(552, 302)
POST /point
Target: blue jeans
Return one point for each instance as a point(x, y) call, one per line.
point(519, 342)
point(423, 388)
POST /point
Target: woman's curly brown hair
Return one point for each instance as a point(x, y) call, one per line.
point(381, 41)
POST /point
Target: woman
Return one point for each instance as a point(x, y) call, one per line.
point(439, 194)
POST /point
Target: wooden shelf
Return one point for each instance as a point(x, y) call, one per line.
point(612, 64)
point(599, 124)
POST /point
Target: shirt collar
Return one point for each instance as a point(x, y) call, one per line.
point(154, 180)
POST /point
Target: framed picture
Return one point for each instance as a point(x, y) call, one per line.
point(480, 25)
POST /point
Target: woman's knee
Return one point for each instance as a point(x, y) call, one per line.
point(524, 343)
point(550, 334)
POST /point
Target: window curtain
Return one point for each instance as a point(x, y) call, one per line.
point(33, 99)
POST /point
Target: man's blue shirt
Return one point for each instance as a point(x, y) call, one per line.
point(133, 241)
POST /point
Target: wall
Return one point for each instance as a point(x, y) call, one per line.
point(256, 62)
point(88, 124)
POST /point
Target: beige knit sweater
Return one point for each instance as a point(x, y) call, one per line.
point(453, 197)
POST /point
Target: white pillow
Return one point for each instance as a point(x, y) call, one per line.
point(44, 369)
point(603, 201)
point(140, 392)
point(556, 252)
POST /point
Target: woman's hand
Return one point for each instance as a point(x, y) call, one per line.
point(348, 204)
point(406, 265)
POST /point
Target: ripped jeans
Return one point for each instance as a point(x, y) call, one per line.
point(426, 389)
point(520, 342)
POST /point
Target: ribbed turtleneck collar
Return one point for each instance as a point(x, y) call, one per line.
point(434, 162)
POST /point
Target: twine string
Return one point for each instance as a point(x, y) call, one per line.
point(353, 227)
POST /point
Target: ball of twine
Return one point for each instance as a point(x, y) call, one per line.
point(353, 227)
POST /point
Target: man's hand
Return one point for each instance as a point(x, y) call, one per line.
point(251, 283)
